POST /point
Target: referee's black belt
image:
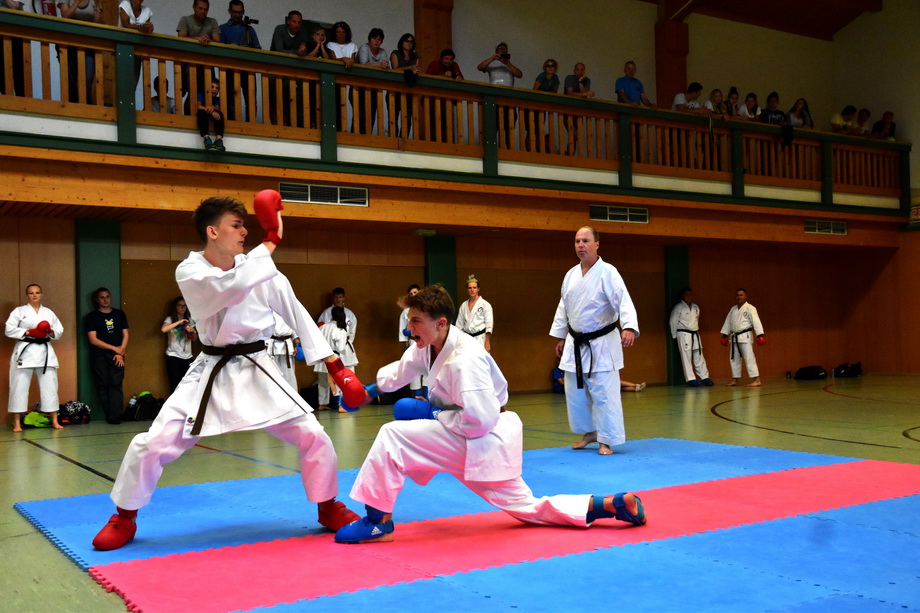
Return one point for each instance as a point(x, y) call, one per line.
point(583, 338)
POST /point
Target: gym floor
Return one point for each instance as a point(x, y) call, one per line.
point(872, 417)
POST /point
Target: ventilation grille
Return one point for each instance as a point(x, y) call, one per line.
point(818, 226)
point(622, 214)
point(323, 194)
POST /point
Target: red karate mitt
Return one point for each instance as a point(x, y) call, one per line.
point(724, 341)
point(761, 340)
point(267, 203)
point(353, 392)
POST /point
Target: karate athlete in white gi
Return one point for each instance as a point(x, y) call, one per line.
point(282, 347)
point(594, 298)
point(465, 431)
point(233, 384)
point(33, 326)
point(475, 315)
point(335, 333)
point(350, 357)
point(415, 386)
point(685, 327)
point(741, 326)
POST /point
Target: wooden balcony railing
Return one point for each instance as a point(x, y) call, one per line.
point(71, 70)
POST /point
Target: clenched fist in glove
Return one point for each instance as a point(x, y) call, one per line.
point(267, 203)
point(761, 340)
point(353, 392)
point(724, 341)
point(42, 330)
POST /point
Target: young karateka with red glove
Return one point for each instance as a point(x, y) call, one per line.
point(233, 384)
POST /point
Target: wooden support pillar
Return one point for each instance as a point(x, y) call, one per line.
point(433, 28)
point(672, 46)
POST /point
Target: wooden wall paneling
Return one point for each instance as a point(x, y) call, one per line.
point(145, 241)
point(406, 250)
point(363, 249)
point(472, 252)
point(183, 238)
point(326, 248)
point(12, 290)
point(908, 297)
point(148, 288)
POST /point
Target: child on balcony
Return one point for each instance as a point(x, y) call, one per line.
point(208, 113)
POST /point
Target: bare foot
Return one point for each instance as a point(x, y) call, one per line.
point(17, 428)
point(341, 410)
point(322, 407)
point(640, 387)
point(587, 439)
point(754, 383)
point(732, 384)
point(57, 426)
point(604, 449)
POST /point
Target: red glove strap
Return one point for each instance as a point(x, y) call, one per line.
point(272, 235)
point(335, 367)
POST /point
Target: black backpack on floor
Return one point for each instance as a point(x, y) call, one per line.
point(848, 370)
point(73, 412)
point(810, 373)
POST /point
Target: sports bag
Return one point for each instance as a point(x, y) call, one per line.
point(810, 373)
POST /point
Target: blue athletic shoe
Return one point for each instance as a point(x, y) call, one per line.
point(708, 382)
point(365, 531)
point(694, 383)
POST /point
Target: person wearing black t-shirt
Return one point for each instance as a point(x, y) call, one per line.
point(772, 114)
point(107, 331)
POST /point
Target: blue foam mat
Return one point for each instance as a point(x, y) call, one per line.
point(807, 563)
point(202, 516)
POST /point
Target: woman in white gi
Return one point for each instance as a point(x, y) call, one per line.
point(34, 327)
point(336, 334)
point(475, 315)
point(465, 431)
point(685, 329)
point(283, 348)
point(180, 332)
point(742, 325)
point(233, 384)
point(350, 357)
point(594, 298)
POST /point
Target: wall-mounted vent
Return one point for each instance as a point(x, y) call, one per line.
point(323, 194)
point(623, 214)
point(819, 226)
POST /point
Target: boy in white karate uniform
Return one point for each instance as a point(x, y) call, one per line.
point(464, 431)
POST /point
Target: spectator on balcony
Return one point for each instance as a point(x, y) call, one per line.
point(17, 62)
point(445, 66)
point(862, 122)
point(132, 14)
point(715, 105)
point(238, 31)
point(316, 47)
point(208, 112)
point(885, 127)
point(630, 89)
point(204, 29)
point(844, 122)
point(288, 37)
point(800, 116)
point(502, 72)
point(79, 10)
point(686, 102)
point(731, 102)
point(405, 59)
point(772, 115)
point(749, 111)
point(343, 48)
point(548, 80)
point(155, 100)
point(578, 83)
point(370, 53)
point(499, 67)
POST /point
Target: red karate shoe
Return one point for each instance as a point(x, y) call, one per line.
point(334, 514)
point(118, 532)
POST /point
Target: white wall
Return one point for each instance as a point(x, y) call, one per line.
point(877, 66)
point(755, 59)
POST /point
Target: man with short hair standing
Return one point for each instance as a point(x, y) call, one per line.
point(742, 325)
point(630, 89)
point(238, 31)
point(107, 330)
point(594, 298)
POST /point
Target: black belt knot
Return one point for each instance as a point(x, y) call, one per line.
point(582, 338)
point(35, 341)
point(287, 350)
point(733, 340)
point(230, 351)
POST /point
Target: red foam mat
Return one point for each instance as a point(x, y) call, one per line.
point(270, 573)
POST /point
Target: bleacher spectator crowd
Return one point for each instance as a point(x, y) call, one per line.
point(335, 43)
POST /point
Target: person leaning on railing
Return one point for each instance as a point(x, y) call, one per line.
point(79, 10)
point(370, 53)
point(132, 14)
point(17, 63)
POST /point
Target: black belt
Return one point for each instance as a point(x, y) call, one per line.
point(483, 331)
point(733, 339)
point(34, 341)
point(287, 350)
point(226, 353)
point(695, 336)
point(582, 338)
